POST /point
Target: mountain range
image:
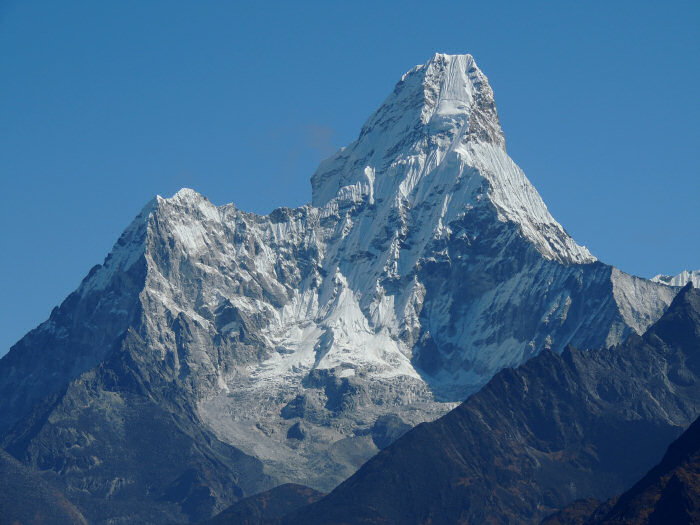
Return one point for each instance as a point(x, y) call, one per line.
point(216, 353)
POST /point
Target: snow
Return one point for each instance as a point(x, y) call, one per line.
point(681, 279)
point(127, 251)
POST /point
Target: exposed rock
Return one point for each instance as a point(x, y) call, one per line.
point(296, 431)
point(388, 429)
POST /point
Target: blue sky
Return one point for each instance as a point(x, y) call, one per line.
point(105, 104)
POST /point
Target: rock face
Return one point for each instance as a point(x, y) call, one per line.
point(269, 346)
point(556, 429)
point(126, 446)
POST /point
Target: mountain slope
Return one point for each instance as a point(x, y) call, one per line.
point(558, 428)
point(426, 263)
point(267, 506)
point(26, 499)
point(670, 492)
point(127, 448)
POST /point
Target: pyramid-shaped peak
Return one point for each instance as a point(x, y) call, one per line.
point(186, 195)
point(444, 61)
point(448, 56)
point(445, 95)
point(446, 87)
point(436, 143)
point(445, 99)
point(441, 63)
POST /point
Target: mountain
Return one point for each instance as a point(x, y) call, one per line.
point(26, 499)
point(560, 427)
point(217, 353)
point(681, 279)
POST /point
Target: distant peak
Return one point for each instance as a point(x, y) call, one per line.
point(187, 194)
point(680, 324)
point(681, 279)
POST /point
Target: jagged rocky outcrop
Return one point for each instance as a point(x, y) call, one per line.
point(559, 428)
point(425, 264)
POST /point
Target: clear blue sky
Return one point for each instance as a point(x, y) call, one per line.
point(105, 104)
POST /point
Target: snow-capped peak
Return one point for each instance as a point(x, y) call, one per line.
point(187, 194)
point(455, 89)
point(436, 142)
point(681, 279)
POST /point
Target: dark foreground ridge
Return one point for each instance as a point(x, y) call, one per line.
point(557, 429)
point(268, 506)
point(669, 493)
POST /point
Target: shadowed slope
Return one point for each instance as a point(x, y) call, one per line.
point(125, 445)
point(669, 493)
point(26, 499)
point(268, 506)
